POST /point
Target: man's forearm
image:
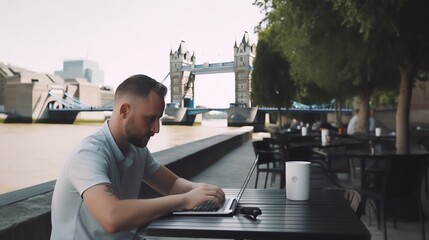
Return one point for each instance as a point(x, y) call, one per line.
point(182, 185)
point(131, 214)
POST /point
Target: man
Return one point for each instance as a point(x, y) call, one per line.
point(351, 127)
point(371, 121)
point(95, 196)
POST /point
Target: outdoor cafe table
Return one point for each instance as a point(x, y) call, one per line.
point(327, 215)
point(365, 153)
point(334, 143)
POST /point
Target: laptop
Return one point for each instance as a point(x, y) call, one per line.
point(229, 205)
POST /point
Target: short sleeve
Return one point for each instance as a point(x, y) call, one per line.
point(88, 168)
point(152, 165)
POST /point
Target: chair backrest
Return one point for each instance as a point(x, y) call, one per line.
point(405, 174)
point(266, 151)
point(355, 200)
point(398, 177)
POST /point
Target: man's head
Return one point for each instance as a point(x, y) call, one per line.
point(139, 105)
point(140, 85)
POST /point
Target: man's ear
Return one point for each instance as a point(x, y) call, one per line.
point(125, 110)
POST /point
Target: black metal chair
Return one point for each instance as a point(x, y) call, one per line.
point(270, 160)
point(355, 200)
point(353, 197)
point(394, 188)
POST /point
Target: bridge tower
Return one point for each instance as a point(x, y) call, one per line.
point(182, 74)
point(244, 53)
point(182, 81)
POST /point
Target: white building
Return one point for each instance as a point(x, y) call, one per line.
point(82, 69)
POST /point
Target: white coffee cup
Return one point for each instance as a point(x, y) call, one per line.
point(323, 135)
point(298, 180)
point(378, 132)
point(304, 131)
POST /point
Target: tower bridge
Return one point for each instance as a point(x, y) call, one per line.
point(183, 72)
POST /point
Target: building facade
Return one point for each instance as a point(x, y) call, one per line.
point(82, 69)
point(244, 54)
point(27, 96)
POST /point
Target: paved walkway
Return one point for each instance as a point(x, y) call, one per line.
point(230, 171)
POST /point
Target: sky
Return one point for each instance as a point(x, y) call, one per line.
point(128, 37)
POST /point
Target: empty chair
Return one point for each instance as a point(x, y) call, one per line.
point(395, 188)
point(353, 197)
point(270, 160)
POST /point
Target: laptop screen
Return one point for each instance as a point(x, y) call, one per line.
point(246, 181)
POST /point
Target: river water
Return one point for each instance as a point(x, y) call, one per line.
point(33, 153)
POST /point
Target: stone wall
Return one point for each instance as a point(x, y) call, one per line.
point(25, 214)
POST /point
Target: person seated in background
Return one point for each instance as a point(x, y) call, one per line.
point(294, 126)
point(351, 126)
point(371, 121)
point(96, 193)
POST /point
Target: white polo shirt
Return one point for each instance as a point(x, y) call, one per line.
point(97, 159)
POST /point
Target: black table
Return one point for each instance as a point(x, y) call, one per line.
point(327, 215)
point(365, 153)
point(334, 143)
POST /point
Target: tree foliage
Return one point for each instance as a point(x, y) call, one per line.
point(353, 47)
point(272, 85)
point(399, 28)
point(323, 51)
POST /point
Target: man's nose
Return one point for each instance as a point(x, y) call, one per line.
point(156, 126)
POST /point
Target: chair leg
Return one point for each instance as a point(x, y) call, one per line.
point(266, 180)
point(352, 166)
point(369, 216)
point(422, 221)
point(283, 180)
point(273, 175)
point(256, 181)
point(395, 222)
point(368, 209)
point(378, 212)
point(383, 220)
point(426, 185)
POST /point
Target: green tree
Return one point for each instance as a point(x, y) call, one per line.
point(351, 46)
point(271, 82)
point(321, 50)
point(399, 28)
point(272, 85)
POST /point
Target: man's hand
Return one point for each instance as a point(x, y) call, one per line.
point(191, 194)
point(202, 193)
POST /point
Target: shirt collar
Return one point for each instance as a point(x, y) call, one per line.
point(112, 144)
point(119, 156)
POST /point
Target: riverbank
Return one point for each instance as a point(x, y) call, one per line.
point(31, 154)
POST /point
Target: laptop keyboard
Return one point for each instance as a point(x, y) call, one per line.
point(208, 206)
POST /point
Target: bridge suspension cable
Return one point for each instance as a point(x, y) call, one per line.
point(163, 80)
point(68, 102)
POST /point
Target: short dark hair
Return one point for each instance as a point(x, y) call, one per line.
point(140, 85)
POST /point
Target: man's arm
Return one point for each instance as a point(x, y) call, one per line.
point(116, 215)
point(168, 183)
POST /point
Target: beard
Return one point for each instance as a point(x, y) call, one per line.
point(134, 138)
